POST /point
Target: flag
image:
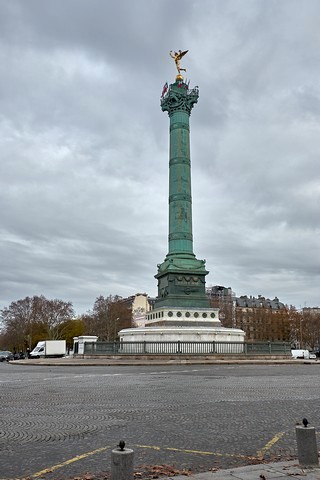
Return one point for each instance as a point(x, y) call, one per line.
point(165, 88)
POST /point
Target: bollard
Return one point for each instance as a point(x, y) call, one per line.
point(307, 445)
point(122, 463)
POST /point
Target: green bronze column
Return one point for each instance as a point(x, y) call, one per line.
point(178, 104)
point(181, 277)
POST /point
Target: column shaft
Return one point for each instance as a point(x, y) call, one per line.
point(180, 201)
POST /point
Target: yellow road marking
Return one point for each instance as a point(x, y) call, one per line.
point(68, 462)
point(275, 439)
point(260, 454)
point(198, 452)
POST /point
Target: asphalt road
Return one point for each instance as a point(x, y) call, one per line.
point(60, 422)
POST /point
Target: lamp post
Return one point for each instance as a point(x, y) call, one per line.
point(115, 328)
point(301, 320)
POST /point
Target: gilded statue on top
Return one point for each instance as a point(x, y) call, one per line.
point(177, 57)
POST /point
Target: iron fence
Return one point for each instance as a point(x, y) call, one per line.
point(186, 348)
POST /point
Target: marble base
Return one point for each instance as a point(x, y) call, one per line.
point(184, 334)
point(184, 325)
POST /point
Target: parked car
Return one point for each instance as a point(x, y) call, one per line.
point(312, 356)
point(5, 356)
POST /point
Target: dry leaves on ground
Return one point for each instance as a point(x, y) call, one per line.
point(157, 471)
point(143, 472)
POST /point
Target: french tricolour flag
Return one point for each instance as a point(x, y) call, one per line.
point(165, 88)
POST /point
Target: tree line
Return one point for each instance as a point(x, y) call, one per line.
point(299, 328)
point(32, 319)
point(25, 322)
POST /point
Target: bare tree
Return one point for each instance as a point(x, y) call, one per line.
point(295, 327)
point(109, 315)
point(17, 321)
point(31, 319)
point(53, 315)
point(264, 324)
point(310, 329)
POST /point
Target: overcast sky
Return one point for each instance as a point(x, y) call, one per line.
point(84, 145)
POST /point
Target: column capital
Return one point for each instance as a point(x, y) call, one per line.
point(179, 98)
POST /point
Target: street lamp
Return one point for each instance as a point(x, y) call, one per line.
point(115, 328)
point(301, 320)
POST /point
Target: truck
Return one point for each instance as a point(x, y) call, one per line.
point(49, 348)
point(303, 354)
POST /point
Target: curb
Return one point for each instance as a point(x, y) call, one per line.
point(81, 362)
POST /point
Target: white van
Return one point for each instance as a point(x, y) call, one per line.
point(302, 354)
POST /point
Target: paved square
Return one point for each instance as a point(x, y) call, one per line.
point(67, 419)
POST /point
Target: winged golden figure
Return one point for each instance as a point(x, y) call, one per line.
point(177, 57)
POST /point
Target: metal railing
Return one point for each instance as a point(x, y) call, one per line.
point(186, 348)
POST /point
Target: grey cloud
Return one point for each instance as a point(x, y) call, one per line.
point(84, 145)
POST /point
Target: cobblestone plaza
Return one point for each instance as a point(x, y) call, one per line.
point(58, 422)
